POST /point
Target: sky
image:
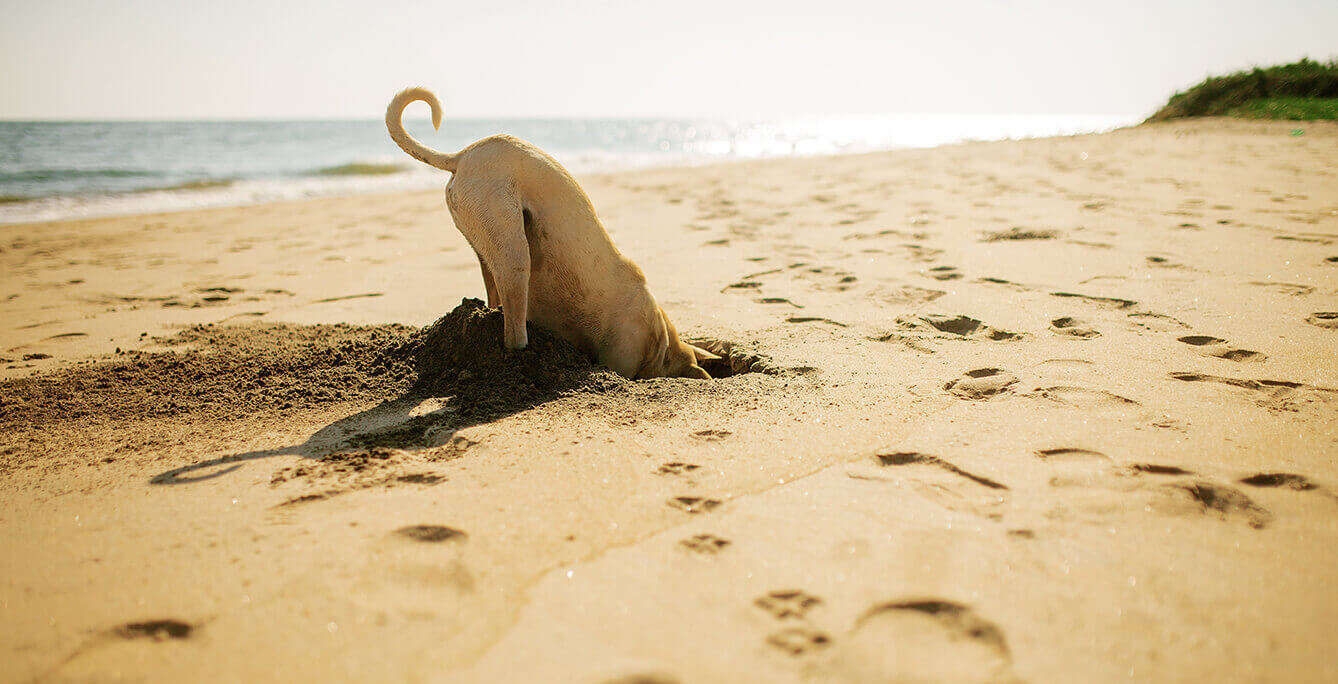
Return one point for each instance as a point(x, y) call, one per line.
point(287, 59)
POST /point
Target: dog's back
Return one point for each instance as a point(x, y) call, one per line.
point(545, 255)
point(576, 272)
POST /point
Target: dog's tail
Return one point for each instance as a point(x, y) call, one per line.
point(417, 150)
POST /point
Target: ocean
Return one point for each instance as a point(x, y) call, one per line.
point(61, 170)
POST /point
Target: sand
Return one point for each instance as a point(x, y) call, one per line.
point(1041, 411)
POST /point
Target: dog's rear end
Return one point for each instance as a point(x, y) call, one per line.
point(545, 256)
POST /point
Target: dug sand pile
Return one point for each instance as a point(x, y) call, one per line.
point(462, 356)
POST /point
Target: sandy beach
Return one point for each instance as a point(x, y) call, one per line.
point(1049, 410)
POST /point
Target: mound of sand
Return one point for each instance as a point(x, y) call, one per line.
point(211, 374)
point(226, 372)
point(462, 356)
point(220, 372)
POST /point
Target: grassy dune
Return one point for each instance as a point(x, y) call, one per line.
point(1305, 90)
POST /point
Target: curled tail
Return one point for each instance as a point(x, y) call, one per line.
point(417, 150)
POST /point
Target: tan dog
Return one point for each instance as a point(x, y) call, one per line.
point(545, 256)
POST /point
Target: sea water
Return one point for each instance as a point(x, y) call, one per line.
point(59, 170)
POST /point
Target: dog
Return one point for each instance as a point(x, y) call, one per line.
point(545, 256)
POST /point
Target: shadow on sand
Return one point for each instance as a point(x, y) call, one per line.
point(464, 378)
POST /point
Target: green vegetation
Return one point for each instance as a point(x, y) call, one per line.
point(360, 170)
point(1305, 90)
point(1291, 108)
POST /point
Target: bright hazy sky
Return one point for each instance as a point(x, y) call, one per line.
point(203, 59)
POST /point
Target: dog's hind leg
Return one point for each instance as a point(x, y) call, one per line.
point(488, 284)
point(491, 217)
point(511, 272)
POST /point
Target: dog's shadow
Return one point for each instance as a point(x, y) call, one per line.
point(413, 421)
point(427, 418)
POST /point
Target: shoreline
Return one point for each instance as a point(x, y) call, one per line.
point(236, 191)
point(1035, 410)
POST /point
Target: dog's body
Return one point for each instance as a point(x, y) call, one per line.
point(545, 256)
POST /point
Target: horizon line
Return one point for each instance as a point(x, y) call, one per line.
point(511, 117)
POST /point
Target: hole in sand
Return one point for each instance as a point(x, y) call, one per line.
point(737, 360)
point(464, 349)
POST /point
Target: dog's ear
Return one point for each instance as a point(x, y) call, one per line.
point(702, 354)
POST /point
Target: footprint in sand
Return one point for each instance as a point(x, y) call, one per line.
point(787, 603)
point(694, 504)
point(742, 285)
point(1075, 328)
point(1156, 322)
point(676, 468)
point(156, 630)
point(644, 678)
point(1225, 502)
point(937, 480)
point(711, 435)
point(925, 640)
point(1296, 483)
point(981, 383)
point(1292, 289)
point(1257, 385)
point(1107, 302)
point(1285, 481)
point(64, 336)
point(1077, 467)
point(1111, 489)
point(708, 544)
point(797, 641)
point(1067, 365)
point(1271, 394)
point(1155, 469)
point(902, 458)
point(943, 273)
point(1017, 233)
point(1163, 262)
point(871, 235)
point(777, 300)
point(1324, 319)
point(1070, 454)
point(1082, 397)
point(1298, 238)
point(815, 319)
point(346, 471)
point(306, 499)
point(921, 253)
point(961, 326)
point(905, 294)
point(1217, 347)
point(1088, 243)
point(823, 277)
point(219, 290)
point(431, 533)
point(420, 478)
